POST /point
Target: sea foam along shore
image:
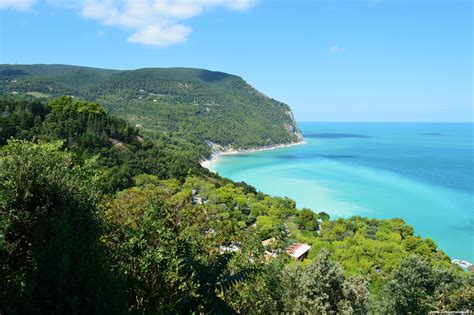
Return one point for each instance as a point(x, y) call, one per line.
point(218, 153)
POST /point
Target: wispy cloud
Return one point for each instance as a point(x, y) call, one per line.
point(150, 22)
point(336, 49)
point(21, 5)
point(161, 35)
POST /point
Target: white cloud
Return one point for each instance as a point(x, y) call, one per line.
point(154, 22)
point(17, 4)
point(161, 35)
point(336, 49)
point(150, 22)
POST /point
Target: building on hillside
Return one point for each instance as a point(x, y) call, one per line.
point(298, 250)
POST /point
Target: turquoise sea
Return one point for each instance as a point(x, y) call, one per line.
point(421, 172)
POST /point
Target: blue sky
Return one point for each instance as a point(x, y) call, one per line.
point(333, 60)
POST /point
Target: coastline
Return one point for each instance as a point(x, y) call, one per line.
point(318, 177)
point(218, 153)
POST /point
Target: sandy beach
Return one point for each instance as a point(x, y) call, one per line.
point(217, 154)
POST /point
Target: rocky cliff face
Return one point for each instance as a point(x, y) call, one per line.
point(293, 127)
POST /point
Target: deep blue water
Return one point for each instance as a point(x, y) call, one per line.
point(421, 172)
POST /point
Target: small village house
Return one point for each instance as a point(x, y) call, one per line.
point(298, 250)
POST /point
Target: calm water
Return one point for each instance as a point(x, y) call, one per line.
point(422, 173)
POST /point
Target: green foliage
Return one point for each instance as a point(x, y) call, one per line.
point(86, 129)
point(411, 287)
point(324, 216)
point(21, 118)
point(51, 259)
point(416, 287)
point(363, 245)
point(321, 287)
point(307, 220)
point(65, 104)
point(169, 264)
point(265, 226)
point(146, 250)
point(145, 179)
point(184, 240)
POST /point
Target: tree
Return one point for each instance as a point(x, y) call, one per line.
point(145, 179)
point(307, 220)
point(265, 226)
point(410, 288)
point(454, 290)
point(146, 250)
point(261, 291)
point(170, 266)
point(324, 216)
point(51, 258)
point(90, 108)
point(321, 288)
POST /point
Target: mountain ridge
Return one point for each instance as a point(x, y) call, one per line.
point(198, 104)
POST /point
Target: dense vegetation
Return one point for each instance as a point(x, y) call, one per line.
point(86, 129)
point(198, 105)
point(96, 218)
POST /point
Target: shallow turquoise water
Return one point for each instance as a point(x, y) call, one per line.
point(423, 173)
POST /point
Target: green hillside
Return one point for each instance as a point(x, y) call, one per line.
point(97, 219)
point(200, 105)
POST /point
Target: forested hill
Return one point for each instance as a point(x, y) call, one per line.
point(201, 106)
